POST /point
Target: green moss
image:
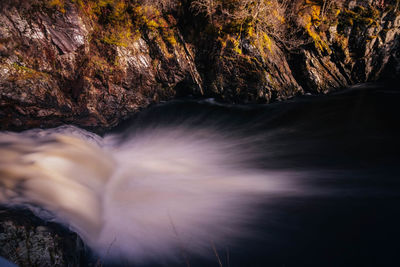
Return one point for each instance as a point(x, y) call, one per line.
point(316, 24)
point(230, 43)
point(170, 38)
point(121, 38)
point(100, 66)
point(57, 4)
point(113, 18)
point(359, 16)
point(150, 18)
point(342, 41)
point(98, 62)
point(240, 27)
point(311, 23)
point(267, 42)
point(121, 21)
point(26, 73)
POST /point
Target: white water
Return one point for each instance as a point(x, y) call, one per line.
point(149, 196)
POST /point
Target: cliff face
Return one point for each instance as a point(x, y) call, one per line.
point(355, 48)
point(64, 67)
point(93, 64)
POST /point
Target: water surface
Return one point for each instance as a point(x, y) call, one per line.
point(313, 181)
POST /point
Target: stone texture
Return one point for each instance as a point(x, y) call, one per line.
point(56, 67)
point(54, 70)
point(28, 241)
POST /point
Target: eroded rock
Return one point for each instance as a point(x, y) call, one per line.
point(28, 241)
point(65, 65)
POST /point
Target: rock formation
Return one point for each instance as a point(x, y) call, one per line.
point(94, 63)
point(87, 63)
point(28, 241)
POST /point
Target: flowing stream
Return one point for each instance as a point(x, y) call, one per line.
point(308, 182)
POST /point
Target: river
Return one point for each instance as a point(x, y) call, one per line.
point(312, 181)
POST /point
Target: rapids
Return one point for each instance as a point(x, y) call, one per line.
point(307, 182)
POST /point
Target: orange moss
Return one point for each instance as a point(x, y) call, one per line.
point(311, 21)
point(231, 43)
point(58, 4)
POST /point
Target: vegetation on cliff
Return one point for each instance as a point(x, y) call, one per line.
point(95, 62)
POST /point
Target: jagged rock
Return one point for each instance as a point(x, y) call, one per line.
point(57, 66)
point(60, 66)
point(359, 53)
point(54, 69)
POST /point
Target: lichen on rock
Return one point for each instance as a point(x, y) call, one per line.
point(95, 63)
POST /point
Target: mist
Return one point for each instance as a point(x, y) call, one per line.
point(154, 194)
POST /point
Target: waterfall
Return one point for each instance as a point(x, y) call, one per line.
point(147, 195)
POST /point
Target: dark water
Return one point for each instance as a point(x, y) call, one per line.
point(347, 143)
point(339, 153)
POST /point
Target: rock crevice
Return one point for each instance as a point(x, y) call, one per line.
point(69, 64)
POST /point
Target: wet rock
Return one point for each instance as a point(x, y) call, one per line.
point(57, 67)
point(358, 52)
point(28, 241)
point(64, 66)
